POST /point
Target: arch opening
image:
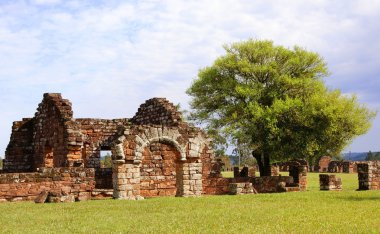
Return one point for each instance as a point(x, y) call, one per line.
point(160, 170)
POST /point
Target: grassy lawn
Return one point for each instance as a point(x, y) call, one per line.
point(314, 211)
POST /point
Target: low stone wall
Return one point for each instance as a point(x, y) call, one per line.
point(369, 175)
point(264, 184)
point(78, 182)
point(216, 186)
point(330, 182)
point(271, 184)
point(220, 185)
point(241, 188)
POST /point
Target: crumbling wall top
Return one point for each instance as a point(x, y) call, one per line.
point(157, 111)
point(55, 99)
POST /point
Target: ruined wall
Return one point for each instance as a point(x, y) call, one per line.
point(57, 139)
point(172, 158)
point(103, 178)
point(160, 171)
point(330, 182)
point(349, 167)
point(50, 139)
point(217, 185)
point(323, 163)
point(212, 181)
point(284, 166)
point(299, 174)
point(154, 154)
point(157, 111)
point(263, 184)
point(335, 167)
point(78, 182)
point(19, 152)
point(98, 134)
point(241, 188)
point(369, 175)
point(271, 184)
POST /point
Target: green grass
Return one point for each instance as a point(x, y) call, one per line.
point(314, 211)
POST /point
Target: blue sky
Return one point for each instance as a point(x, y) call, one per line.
point(108, 57)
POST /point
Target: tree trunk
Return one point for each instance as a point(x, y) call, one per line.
point(263, 161)
point(267, 166)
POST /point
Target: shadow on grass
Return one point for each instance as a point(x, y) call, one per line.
point(355, 198)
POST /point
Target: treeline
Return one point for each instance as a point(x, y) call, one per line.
point(372, 156)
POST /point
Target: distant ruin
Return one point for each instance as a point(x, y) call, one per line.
point(154, 153)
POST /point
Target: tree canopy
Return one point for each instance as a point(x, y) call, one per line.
point(274, 100)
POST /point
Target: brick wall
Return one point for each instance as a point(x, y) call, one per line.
point(369, 175)
point(27, 186)
point(323, 163)
point(299, 174)
point(98, 135)
point(50, 139)
point(264, 184)
point(103, 178)
point(157, 111)
point(159, 171)
point(270, 184)
point(335, 166)
point(20, 147)
point(182, 164)
point(330, 182)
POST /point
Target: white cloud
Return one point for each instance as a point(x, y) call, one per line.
point(46, 2)
point(107, 57)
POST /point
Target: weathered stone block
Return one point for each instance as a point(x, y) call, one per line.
point(41, 198)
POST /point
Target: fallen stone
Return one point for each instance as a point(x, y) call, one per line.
point(41, 198)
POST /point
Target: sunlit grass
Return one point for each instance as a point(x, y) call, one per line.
point(347, 211)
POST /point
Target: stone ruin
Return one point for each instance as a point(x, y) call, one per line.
point(369, 175)
point(330, 182)
point(284, 166)
point(343, 166)
point(154, 153)
point(56, 157)
point(323, 164)
point(245, 182)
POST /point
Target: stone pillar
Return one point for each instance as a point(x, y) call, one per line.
point(126, 180)
point(236, 172)
point(191, 184)
point(302, 170)
point(369, 175)
point(299, 174)
point(119, 179)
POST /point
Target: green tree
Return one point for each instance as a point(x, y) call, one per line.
point(106, 161)
point(225, 160)
point(274, 100)
point(370, 156)
point(242, 153)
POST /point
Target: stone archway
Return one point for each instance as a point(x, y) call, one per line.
point(139, 170)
